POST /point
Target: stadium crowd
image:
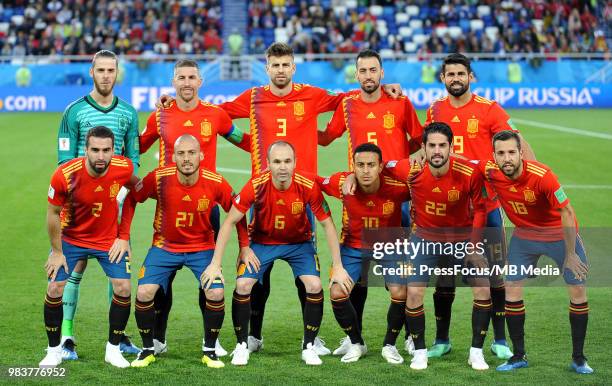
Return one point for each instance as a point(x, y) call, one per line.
point(79, 27)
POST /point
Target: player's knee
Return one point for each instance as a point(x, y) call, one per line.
point(215, 294)
point(55, 289)
point(514, 292)
point(577, 294)
point(122, 287)
point(244, 286)
point(313, 286)
point(397, 291)
point(145, 293)
point(414, 297)
point(336, 292)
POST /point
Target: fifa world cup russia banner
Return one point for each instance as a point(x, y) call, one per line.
point(56, 98)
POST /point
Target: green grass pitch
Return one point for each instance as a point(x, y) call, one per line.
point(28, 159)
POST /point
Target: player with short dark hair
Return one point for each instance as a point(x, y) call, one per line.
point(280, 229)
point(82, 223)
point(184, 236)
point(545, 224)
point(187, 114)
point(474, 120)
point(99, 108)
point(448, 208)
point(375, 204)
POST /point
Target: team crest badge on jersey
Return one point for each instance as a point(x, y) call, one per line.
point(388, 122)
point(388, 208)
point(453, 195)
point(205, 129)
point(529, 195)
point(297, 207)
point(114, 190)
point(203, 204)
point(123, 123)
point(298, 108)
point(472, 127)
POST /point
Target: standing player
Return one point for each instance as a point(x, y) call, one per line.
point(184, 235)
point(280, 229)
point(448, 208)
point(187, 114)
point(474, 120)
point(376, 204)
point(375, 117)
point(545, 224)
point(287, 111)
point(82, 223)
point(99, 108)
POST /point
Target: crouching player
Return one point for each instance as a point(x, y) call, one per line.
point(545, 224)
point(82, 223)
point(183, 236)
point(280, 229)
point(376, 203)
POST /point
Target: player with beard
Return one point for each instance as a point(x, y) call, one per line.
point(374, 117)
point(187, 114)
point(99, 108)
point(474, 120)
point(545, 224)
point(82, 223)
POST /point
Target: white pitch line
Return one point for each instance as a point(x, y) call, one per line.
point(563, 129)
point(235, 171)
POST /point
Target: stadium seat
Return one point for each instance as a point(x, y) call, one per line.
point(416, 23)
point(319, 30)
point(420, 39)
point(483, 10)
point(161, 48)
point(388, 12)
point(376, 10)
point(492, 33)
point(381, 23)
point(410, 47)
point(455, 32)
point(350, 4)
point(340, 11)
point(401, 18)
point(186, 48)
point(386, 53)
point(405, 32)
point(280, 35)
point(4, 27)
point(17, 19)
point(538, 24)
point(412, 11)
point(441, 31)
point(444, 9)
point(465, 25)
point(476, 24)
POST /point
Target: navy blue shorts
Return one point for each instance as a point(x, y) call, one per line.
point(160, 264)
point(73, 253)
point(357, 263)
point(301, 257)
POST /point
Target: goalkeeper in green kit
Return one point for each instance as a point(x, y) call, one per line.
point(99, 108)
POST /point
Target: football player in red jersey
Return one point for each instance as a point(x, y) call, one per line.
point(187, 114)
point(376, 204)
point(448, 208)
point(184, 236)
point(474, 120)
point(82, 222)
point(280, 229)
point(545, 224)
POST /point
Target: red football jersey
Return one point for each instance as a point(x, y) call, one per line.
point(279, 217)
point(532, 201)
point(89, 205)
point(292, 118)
point(473, 126)
point(204, 123)
point(452, 201)
point(385, 123)
point(360, 211)
point(182, 215)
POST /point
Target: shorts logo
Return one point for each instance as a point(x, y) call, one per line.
point(388, 208)
point(114, 190)
point(205, 129)
point(529, 195)
point(388, 122)
point(472, 126)
point(298, 108)
point(297, 207)
point(453, 195)
point(203, 204)
point(141, 273)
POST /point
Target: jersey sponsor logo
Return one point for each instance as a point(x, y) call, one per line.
point(297, 207)
point(188, 123)
point(298, 108)
point(186, 198)
point(51, 192)
point(64, 144)
point(453, 195)
point(203, 204)
point(114, 190)
point(472, 127)
point(560, 195)
point(371, 116)
point(388, 207)
point(529, 195)
point(205, 129)
point(455, 119)
point(99, 189)
point(388, 122)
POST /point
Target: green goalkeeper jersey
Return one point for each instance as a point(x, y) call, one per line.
point(84, 113)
